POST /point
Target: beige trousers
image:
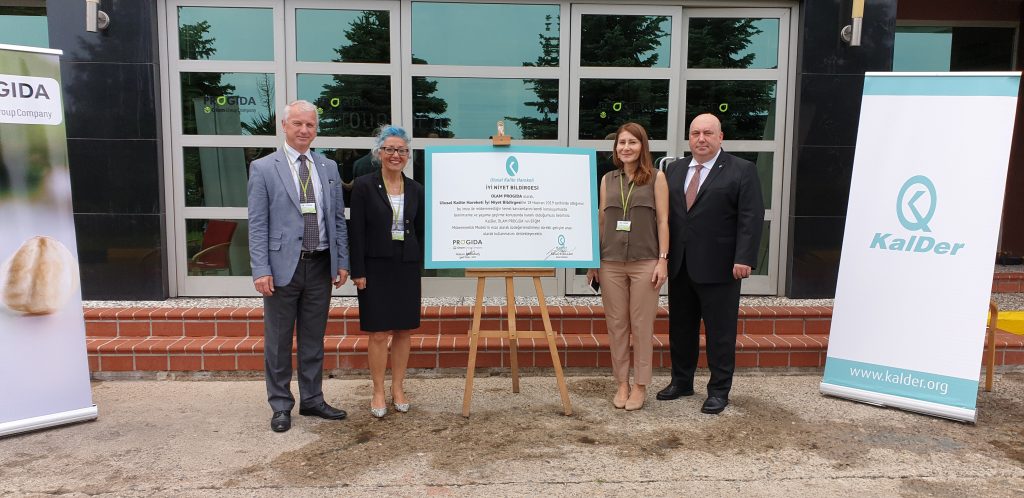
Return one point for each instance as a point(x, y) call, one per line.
point(630, 305)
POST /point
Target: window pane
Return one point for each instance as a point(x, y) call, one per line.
point(470, 107)
point(217, 247)
point(350, 105)
point(351, 163)
point(625, 41)
point(725, 43)
point(418, 157)
point(606, 104)
point(982, 49)
point(922, 49)
point(323, 35)
point(24, 26)
point(763, 160)
point(217, 176)
point(762, 253)
point(228, 104)
point(746, 108)
point(469, 34)
point(225, 34)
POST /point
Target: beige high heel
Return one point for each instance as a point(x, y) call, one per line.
point(636, 400)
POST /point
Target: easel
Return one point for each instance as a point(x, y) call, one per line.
point(512, 334)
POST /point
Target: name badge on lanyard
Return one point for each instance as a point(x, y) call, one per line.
point(397, 235)
point(624, 225)
point(307, 208)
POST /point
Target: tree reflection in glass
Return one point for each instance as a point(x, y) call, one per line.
point(545, 124)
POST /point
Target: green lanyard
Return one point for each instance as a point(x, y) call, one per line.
point(394, 211)
point(303, 185)
point(625, 198)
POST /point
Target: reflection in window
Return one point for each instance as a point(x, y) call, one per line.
point(762, 252)
point(225, 33)
point(607, 103)
point(350, 105)
point(945, 48)
point(24, 26)
point(365, 38)
point(468, 34)
point(763, 161)
point(746, 108)
point(217, 176)
point(227, 104)
point(468, 107)
point(625, 41)
point(418, 157)
point(726, 43)
point(217, 247)
point(351, 164)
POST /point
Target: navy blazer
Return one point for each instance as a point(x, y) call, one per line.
point(724, 225)
point(371, 218)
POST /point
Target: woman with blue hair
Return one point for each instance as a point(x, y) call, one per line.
point(385, 231)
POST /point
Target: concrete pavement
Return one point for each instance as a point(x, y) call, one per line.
point(779, 437)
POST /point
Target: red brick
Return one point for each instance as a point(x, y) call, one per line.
point(116, 363)
point(334, 328)
point(219, 362)
point(167, 328)
point(770, 359)
point(151, 363)
point(1004, 286)
point(353, 361)
point(581, 359)
point(253, 362)
point(101, 329)
point(454, 327)
point(186, 363)
point(660, 326)
point(134, 328)
point(758, 326)
point(423, 360)
point(702, 360)
point(805, 359)
point(818, 326)
point(1013, 358)
point(789, 327)
point(573, 326)
point(746, 360)
point(94, 363)
point(232, 329)
point(452, 360)
point(330, 362)
point(200, 329)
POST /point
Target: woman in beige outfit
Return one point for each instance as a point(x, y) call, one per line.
point(633, 224)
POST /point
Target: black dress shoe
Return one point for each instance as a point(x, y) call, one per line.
point(323, 410)
point(673, 391)
point(714, 405)
point(281, 421)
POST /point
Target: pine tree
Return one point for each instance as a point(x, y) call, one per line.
point(545, 126)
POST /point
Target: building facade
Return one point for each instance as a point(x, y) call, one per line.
point(167, 106)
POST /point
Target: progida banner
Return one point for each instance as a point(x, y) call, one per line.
point(44, 368)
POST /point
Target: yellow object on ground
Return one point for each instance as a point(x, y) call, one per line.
point(1012, 321)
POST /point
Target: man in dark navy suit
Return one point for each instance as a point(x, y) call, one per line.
point(715, 217)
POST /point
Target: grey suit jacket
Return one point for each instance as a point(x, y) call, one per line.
point(275, 223)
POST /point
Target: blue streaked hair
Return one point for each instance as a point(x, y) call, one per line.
point(385, 132)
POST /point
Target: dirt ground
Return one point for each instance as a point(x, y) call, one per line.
point(779, 437)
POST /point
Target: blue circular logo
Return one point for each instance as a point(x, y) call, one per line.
point(512, 166)
point(561, 240)
point(915, 188)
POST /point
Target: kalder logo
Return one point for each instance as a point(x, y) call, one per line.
point(512, 166)
point(915, 207)
point(30, 100)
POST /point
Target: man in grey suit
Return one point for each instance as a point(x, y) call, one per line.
point(298, 246)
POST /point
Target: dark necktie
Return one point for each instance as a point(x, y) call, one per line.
point(311, 231)
point(691, 189)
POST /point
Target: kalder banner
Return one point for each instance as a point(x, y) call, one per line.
point(908, 325)
point(44, 368)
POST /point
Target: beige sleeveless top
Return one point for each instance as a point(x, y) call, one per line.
point(641, 241)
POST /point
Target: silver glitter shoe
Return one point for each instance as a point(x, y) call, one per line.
point(402, 407)
point(378, 412)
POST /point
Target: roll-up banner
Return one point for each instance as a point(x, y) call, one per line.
point(908, 325)
point(44, 367)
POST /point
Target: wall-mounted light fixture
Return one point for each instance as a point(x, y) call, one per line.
point(851, 32)
point(94, 17)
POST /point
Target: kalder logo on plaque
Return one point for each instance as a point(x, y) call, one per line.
point(30, 100)
point(561, 251)
point(915, 207)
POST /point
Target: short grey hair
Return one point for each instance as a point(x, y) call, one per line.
point(298, 105)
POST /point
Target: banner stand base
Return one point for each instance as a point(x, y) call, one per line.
point(44, 421)
point(913, 405)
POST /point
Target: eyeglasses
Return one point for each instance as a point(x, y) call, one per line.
point(392, 151)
